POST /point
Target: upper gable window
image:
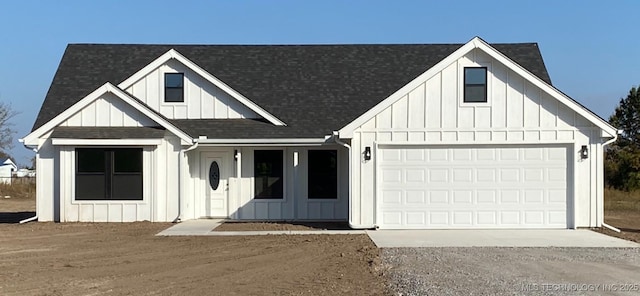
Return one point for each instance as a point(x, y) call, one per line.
point(174, 87)
point(475, 84)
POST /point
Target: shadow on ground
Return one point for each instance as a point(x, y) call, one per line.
point(15, 217)
point(283, 225)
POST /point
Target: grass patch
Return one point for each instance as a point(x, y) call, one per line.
point(618, 200)
point(18, 190)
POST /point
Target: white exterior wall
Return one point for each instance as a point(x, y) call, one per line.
point(48, 181)
point(5, 174)
point(56, 172)
point(516, 112)
point(242, 206)
point(108, 110)
point(56, 187)
point(202, 100)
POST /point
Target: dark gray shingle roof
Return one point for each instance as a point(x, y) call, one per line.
point(69, 132)
point(314, 89)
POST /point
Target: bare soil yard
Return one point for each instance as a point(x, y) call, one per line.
point(627, 221)
point(127, 259)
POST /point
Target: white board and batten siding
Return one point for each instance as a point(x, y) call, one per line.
point(109, 110)
point(295, 204)
point(203, 100)
point(517, 112)
point(57, 167)
point(160, 188)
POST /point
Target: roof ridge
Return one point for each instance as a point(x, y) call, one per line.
point(285, 44)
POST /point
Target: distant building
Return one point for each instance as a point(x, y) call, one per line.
point(7, 167)
point(22, 173)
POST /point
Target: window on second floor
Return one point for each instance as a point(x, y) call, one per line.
point(475, 84)
point(174, 87)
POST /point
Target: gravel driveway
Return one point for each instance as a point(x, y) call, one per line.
point(513, 271)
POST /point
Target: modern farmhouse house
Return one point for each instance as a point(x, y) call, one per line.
point(416, 136)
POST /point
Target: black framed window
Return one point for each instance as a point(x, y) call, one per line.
point(475, 85)
point(174, 87)
point(268, 174)
point(323, 174)
point(108, 174)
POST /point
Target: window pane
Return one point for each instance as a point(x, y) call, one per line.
point(475, 85)
point(90, 160)
point(173, 80)
point(128, 160)
point(127, 186)
point(268, 174)
point(173, 95)
point(108, 174)
point(475, 75)
point(90, 187)
point(474, 93)
point(323, 174)
point(174, 87)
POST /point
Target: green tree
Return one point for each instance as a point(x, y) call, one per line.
point(622, 159)
point(6, 128)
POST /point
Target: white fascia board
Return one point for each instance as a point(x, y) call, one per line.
point(174, 54)
point(347, 131)
point(263, 141)
point(106, 142)
point(32, 138)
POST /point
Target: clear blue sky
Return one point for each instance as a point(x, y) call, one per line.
point(591, 48)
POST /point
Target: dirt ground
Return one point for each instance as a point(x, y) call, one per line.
point(627, 221)
point(127, 259)
point(16, 209)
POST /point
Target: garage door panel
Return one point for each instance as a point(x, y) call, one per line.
point(466, 187)
point(486, 218)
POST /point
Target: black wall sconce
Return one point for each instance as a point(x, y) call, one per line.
point(584, 152)
point(235, 154)
point(367, 153)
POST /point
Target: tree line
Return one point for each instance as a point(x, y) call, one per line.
point(622, 157)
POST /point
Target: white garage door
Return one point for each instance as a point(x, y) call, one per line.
point(472, 187)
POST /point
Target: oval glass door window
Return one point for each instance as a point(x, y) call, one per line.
point(214, 175)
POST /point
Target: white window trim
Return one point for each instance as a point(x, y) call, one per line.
point(166, 69)
point(338, 175)
point(461, 67)
point(146, 181)
point(285, 171)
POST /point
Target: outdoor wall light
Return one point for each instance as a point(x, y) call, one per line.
point(235, 154)
point(367, 153)
point(584, 152)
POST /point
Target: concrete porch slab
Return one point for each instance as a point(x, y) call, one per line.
point(496, 238)
point(191, 227)
point(204, 227)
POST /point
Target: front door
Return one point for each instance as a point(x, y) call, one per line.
point(216, 172)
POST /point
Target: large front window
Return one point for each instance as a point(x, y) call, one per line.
point(323, 174)
point(108, 174)
point(268, 174)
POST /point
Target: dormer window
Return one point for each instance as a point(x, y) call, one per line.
point(475, 84)
point(174, 87)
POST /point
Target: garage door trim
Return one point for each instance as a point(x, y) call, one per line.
point(379, 148)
